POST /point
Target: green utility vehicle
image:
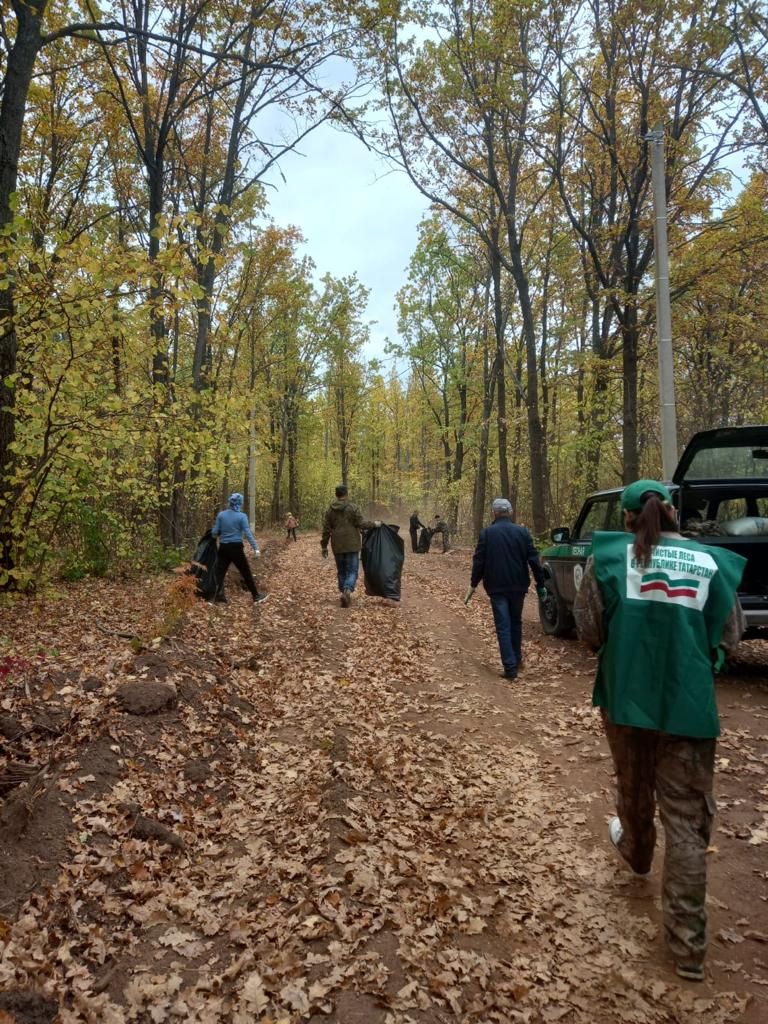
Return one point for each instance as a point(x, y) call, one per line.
point(720, 490)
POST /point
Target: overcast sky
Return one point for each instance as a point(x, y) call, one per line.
point(356, 215)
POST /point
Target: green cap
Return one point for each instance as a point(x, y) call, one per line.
point(632, 495)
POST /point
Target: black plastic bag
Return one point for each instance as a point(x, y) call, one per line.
point(425, 539)
point(203, 562)
point(383, 557)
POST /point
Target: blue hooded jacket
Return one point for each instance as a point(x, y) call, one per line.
point(232, 525)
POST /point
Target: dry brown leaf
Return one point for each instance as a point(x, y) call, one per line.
point(254, 994)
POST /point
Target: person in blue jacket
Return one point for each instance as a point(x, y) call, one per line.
point(231, 527)
point(502, 559)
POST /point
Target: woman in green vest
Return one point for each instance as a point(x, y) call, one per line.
point(662, 609)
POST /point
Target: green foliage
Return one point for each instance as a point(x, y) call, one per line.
point(158, 558)
point(88, 552)
point(173, 346)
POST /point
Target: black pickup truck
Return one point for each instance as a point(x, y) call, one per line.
point(720, 490)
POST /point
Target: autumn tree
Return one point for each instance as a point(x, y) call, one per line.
point(342, 333)
point(441, 321)
point(608, 94)
point(461, 105)
point(741, 65)
point(721, 308)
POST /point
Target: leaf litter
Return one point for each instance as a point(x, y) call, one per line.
point(337, 841)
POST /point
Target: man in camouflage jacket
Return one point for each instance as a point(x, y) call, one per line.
point(342, 524)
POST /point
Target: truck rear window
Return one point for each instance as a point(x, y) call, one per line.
point(745, 463)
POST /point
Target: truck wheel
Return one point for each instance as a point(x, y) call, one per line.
point(555, 618)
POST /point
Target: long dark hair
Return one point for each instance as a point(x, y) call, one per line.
point(649, 523)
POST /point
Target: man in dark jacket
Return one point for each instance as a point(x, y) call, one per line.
point(342, 524)
point(414, 525)
point(501, 560)
point(441, 527)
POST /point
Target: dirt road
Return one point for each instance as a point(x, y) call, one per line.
point(353, 819)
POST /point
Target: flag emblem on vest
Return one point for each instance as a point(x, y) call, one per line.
point(677, 576)
point(671, 587)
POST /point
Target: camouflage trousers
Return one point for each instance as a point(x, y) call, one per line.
point(677, 772)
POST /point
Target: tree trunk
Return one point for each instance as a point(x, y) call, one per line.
point(343, 431)
point(447, 453)
point(535, 432)
point(514, 495)
point(499, 328)
point(596, 423)
point(459, 450)
point(481, 473)
point(278, 464)
point(252, 464)
point(179, 505)
point(293, 469)
point(16, 82)
point(225, 491)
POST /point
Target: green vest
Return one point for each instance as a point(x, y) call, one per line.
point(663, 623)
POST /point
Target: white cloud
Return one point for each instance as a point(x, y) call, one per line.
point(356, 214)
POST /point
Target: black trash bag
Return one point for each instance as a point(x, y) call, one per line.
point(383, 557)
point(203, 561)
point(425, 539)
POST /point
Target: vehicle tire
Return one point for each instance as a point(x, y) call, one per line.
point(556, 619)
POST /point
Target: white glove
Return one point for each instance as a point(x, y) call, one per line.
point(377, 522)
point(256, 553)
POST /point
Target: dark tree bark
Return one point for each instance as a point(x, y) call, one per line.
point(479, 512)
point(292, 436)
point(16, 82)
point(499, 329)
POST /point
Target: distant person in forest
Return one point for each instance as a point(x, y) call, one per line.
point(342, 524)
point(662, 610)
point(414, 525)
point(291, 523)
point(441, 527)
point(503, 560)
point(231, 527)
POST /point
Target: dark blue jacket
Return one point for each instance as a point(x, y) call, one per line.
point(502, 556)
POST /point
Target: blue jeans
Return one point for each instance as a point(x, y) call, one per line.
point(347, 566)
point(508, 618)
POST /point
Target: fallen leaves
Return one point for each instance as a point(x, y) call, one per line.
point(253, 994)
point(353, 827)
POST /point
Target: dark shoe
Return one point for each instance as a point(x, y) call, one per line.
point(691, 972)
point(219, 600)
point(346, 599)
point(260, 598)
point(507, 675)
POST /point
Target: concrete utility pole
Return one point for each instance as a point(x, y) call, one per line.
point(663, 308)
